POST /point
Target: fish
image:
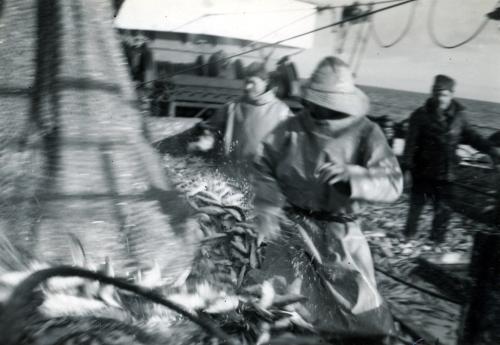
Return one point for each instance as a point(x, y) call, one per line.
point(19, 315)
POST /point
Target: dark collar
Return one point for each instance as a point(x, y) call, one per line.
point(455, 107)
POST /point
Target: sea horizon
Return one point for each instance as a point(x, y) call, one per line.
point(399, 104)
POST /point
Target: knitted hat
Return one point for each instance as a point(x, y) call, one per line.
point(257, 69)
point(332, 86)
point(443, 82)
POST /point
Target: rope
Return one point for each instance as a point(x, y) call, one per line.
point(363, 15)
point(416, 287)
point(402, 35)
point(435, 40)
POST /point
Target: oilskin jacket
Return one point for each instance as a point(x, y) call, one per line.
point(292, 153)
point(240, 126)
point(433, 138)
point(342, 294)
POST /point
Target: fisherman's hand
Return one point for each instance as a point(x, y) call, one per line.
point(332, 172)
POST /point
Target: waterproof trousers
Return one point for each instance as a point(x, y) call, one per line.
point(342, 298)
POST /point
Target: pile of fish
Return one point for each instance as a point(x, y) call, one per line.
point(229, 250)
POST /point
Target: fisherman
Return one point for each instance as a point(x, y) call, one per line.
point(314, 170)
point(237, 130)
point(435, 130)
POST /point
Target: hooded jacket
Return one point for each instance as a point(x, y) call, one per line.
point(432, 140)
point(286, 174)
point(240, 126)
point(291, 154)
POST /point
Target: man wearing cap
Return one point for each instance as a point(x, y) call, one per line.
point(238, 128)
point(434, 132)
point(314, 170)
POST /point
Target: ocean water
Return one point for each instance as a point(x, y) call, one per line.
point(398, 105)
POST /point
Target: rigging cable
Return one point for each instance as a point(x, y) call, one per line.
point(256, 41)
point(361, 4)
point(221, 14)
point(432, 32)
point(363, 15)
point(364, 44)
point(345, 31)
point(403, 34)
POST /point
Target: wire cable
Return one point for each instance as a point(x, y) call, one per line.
point(432, 31)
point(363, 15)
point(402, 35)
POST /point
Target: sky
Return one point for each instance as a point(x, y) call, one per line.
point(412, 64)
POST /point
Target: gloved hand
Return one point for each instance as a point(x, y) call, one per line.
point(333, 172)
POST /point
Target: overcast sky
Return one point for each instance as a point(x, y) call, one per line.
point(411, 64)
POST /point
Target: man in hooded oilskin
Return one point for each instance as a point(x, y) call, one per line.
point(434, 132)
point(315, 169)
point(236, 130)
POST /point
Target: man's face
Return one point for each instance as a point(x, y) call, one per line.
point(321, 113)
point(443, 98)
point(255, 86)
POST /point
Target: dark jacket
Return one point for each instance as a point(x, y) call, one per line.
point(432, 140)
